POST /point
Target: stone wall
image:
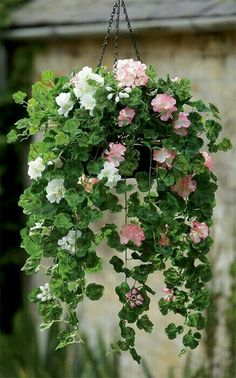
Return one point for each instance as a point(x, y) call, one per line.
point(209, 61)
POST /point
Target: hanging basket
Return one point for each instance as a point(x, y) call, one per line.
point(99, 128)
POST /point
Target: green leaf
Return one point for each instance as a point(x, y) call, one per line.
point(127, 333)
point(19, 97)
point(190, 341)
point(65, 338)
point(74, 198)
point(135, 355)
point(225, 145)
point(172, 330)
point(47, 76)
point(63, 220)
point(213, 129)
point(145, 323)
point(62, 139)
point(94, 291)
point(12, 136)
point(31, 266)
point(199, 105)
point(122, 290)
point(122, 187)
point(143, 180)
point(196, 320)
point(131, 162)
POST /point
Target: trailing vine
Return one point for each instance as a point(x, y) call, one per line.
point(98, 129)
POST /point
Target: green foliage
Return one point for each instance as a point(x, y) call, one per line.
point(75, 184)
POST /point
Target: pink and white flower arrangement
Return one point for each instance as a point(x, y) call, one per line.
point(164, 158)
point(209, 163)
point(165, 105)
point(199, 231)
point(168, 295)
point(126, 116)
point(134, 297)
point(115, 154)
point(132, 232)
point(181, 125)
point(131, 73)
point(184, 186)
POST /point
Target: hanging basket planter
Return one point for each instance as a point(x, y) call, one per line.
point(99, 128)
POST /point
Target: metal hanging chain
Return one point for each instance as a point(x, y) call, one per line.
point(132, 36)
point(106, 39)
point(117, 35)
point(116, 11)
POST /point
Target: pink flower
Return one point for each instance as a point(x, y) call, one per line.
point(199, 231)
point(126, 116)
point(164, 104)
point(164, 240)
point(116, 153)
point(181, 124)
point(131, 73)
point(164, 157)
point(184, 186)
point(168, 295)
point(132, 232)
point(134, 297)
point(88, 182)
point(209, 163)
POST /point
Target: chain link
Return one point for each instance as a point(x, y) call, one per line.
point(116, 11)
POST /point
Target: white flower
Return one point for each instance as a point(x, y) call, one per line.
point(35, 228)
point(122, 93)
point(36, 167)
point(68, 242)
point(111, 172)
point(45, 294)
point(88, 102)
point(65, 103)
point(55, 190)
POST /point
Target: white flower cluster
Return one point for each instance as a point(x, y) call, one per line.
point(55, 190)
point(65, 103)
point(111, 173)
point(84, 90)
point(45, 294)
point(68, 242)
point(36, 167)
point(123, 93)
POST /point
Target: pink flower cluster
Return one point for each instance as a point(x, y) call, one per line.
point(126, 116)
point(132, 232)
point(181, 125)
point(134, 297)
point(165, 105)
point(115, 154)
point(209, 163)
point(168, 295)
point(131, 73)
point(164, 158)
point(184, 186)
point(88, 182)
point(199, 231)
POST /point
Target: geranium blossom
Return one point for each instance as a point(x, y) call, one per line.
point(115, 154)
point(168, 295)
point(131, 73)
point(134, 297)
point(84, 89)
point(199, 231)
point(36, 167)
point(55, 190)
point(45, 294)
point(132, 232)
point(164, 240)
point(209, 163)
point(126, 116)
point(164, 157)
point(65, 103)
point(111, 173)
point(184, 186)
point(88, 182)
point(68, 242)
point(164, 104)
point(181, 125)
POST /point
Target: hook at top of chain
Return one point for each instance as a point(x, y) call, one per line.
point(116, 11)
